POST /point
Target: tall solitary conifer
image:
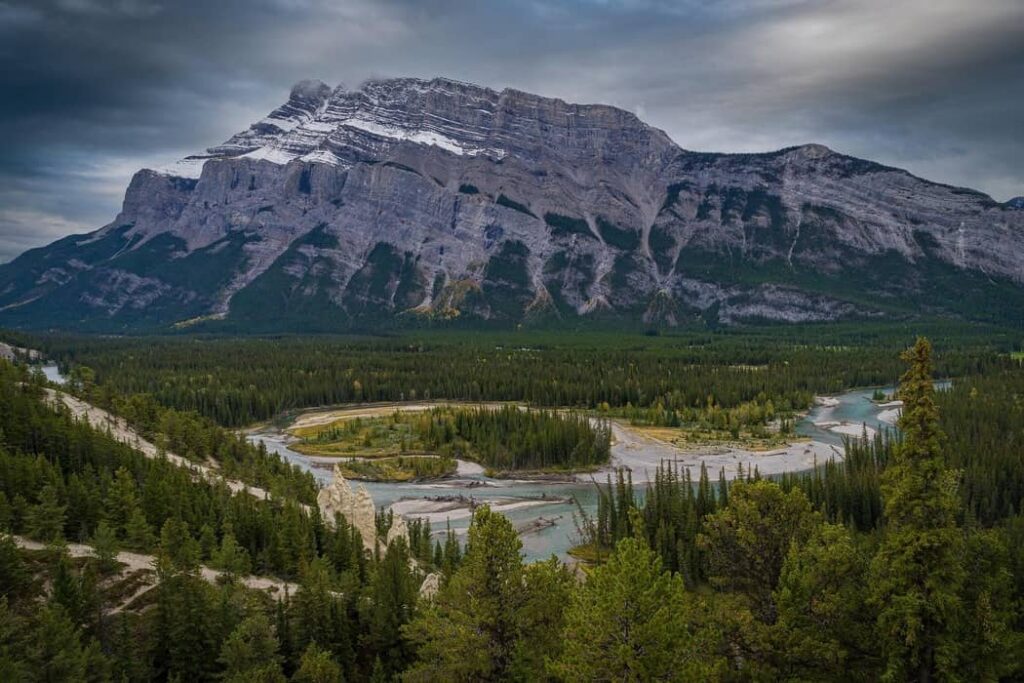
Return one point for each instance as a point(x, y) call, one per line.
point(918, 572)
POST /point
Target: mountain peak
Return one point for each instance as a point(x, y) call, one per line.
point(441, 199)
point(310, 89)
point(811, 150)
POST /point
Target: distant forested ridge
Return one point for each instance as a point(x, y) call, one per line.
point(240, 381)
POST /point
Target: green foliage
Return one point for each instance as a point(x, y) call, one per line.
point(510, 438)
point(231, 558)
point(250, 652)
point(104, 542)
point(317, 666)
point(390, 604)
point(747, 541)
point(483, 622)
point(631, 621)
point(884, 564)
point(825, 629)
point(45, 521)
point(918, 573)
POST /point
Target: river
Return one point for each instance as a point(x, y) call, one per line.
point(853, 408)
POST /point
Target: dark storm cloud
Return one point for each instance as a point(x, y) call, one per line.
point(95, 89)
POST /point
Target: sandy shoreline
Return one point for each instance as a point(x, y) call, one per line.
point(461, 507)
point(639, 453)
point(322, 416)
point(643, 454)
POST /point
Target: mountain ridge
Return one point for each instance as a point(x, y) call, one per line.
point(436, 199)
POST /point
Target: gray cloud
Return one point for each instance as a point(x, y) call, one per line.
point(94, 89)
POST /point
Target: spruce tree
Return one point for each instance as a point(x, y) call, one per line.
point(45, 521)
point(918, 573)
point(104, 543)
point(250, 653)
point(317, 666)
point(824, 629)
point(390, 604)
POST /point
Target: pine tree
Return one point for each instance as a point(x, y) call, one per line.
point(104, 543)
point(472, 630)
point(825, 630)
point(317, 666)
point(138, 533)
point(747, 542)
point(45, 521)
point(177, 548)
point(548, 589)
point(918, 573)
point(231, 558)
point(13, 665)
point(55, 650)
point(631, 622)
point(121, 501)
point(390, 604)
point(15, 578)
point(320, 614)
point(250, 653)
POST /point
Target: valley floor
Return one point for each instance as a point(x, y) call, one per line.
point(631, 448)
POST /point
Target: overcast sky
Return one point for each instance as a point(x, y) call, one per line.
point(93, 90)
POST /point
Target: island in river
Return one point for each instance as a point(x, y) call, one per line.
point(448, 502)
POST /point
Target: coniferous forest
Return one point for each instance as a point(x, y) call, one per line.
point(903, 562)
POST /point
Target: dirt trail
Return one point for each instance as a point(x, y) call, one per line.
point(123, 432)
point(138, 562)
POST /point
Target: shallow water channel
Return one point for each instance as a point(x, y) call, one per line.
point(853, 407)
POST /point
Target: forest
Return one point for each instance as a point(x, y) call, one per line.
point(903, 562)
point(503, 439)
point(239, 381)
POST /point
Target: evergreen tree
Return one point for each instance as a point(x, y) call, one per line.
point(317, 666)
point(139, 534)
point(320, 615)
point(13, 663)
point(917, 575)
point(390, 604)
point(231, 558)
point(15, 578)
point(250, 653)
point(184, 642)
point(45, 521)
point(121, 501)
point(177, 548)
point(104, 543)
point(631, 621)
point(825, 630)
point(548, 589)
point(55, 650)
point(747, 542)
point(473, 629)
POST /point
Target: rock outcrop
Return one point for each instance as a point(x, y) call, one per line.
point(408, 197)
point(358, 509)
point(431, 584)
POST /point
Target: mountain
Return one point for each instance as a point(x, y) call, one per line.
point(410, 199)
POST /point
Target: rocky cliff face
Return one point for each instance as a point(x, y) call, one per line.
point(438, 199)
